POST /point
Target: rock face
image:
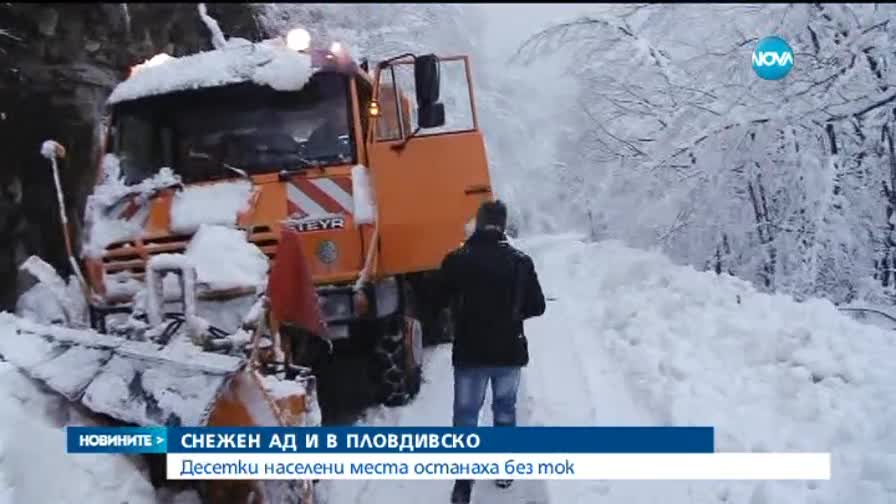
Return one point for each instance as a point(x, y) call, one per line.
point(58, 64)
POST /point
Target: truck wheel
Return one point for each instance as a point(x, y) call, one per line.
point(398, 376)
point(392, 384)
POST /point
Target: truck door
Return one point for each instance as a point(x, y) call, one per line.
point(428, 182)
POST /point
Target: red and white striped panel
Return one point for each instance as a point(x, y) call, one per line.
point(126, 208)
point(130, 209)
point(319, 196)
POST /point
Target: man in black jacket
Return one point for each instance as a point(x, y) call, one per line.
point(491, 288)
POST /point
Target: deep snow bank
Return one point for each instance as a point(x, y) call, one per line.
point(629, 338)
point(694, 348)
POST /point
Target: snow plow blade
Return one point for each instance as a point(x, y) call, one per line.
point(147, 384)
point(131, 381)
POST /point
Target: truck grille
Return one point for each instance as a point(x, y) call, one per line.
point(132, 255)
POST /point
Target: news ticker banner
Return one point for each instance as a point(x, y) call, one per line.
point(427, 453)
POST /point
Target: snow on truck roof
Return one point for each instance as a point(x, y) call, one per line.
point(267, 63)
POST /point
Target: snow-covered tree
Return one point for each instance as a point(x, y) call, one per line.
point(377, 31)
point(786, 183)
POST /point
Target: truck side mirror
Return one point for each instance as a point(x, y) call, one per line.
point(426, 79)
point(431, 116)
point(430, 113)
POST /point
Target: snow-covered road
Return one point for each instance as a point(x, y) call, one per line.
point(569, 382)
point(633, 339)
point(431, 408)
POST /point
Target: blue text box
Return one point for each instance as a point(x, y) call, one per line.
point(407, 440)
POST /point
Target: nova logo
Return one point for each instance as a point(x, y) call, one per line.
point(772, 58)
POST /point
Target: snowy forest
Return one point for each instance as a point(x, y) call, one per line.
point(648, 125)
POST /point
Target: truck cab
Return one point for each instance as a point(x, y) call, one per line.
point(378, 172)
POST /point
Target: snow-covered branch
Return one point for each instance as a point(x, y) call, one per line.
point(659, 127)
point(8, 34)
point(218, 39)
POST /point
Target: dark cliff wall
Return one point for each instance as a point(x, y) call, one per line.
point(58, 63)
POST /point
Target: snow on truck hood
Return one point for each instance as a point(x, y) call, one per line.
point(265, 63)
point(217, 203)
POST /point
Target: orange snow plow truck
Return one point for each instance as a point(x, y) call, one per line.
point(263, 212)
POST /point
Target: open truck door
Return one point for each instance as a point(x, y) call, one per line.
point(427, 159)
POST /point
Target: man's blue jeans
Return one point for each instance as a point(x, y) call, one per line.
point(469, 393)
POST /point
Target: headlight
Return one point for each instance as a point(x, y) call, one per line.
point(387, 296)
point(156, 60)
point(298, 39)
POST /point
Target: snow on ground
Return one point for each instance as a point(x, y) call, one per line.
point(432, 407)
point(690, 348)
point(629, 339)
point(883, 317)
point(633, 339)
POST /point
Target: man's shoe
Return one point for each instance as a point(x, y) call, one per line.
point(461, 492)
point(503, 483)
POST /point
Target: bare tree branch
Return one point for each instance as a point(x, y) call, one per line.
point(8, 34)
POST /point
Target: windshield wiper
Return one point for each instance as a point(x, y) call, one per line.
point(207, 157)
point(292, 156)
point(234, 169)
point(329, 159)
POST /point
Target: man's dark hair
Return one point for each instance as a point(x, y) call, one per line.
point(492, 214)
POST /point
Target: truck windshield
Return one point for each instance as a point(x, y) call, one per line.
point(203, 134)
